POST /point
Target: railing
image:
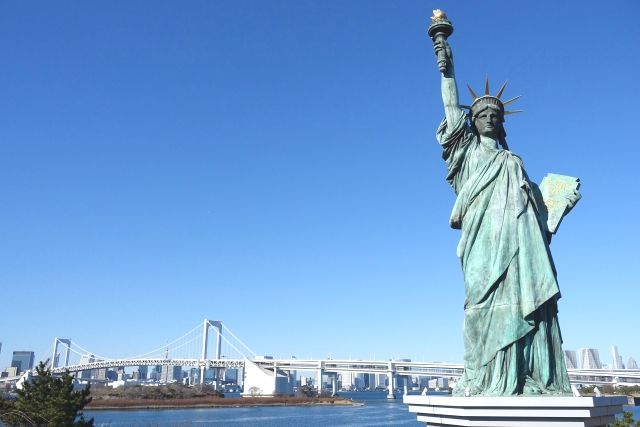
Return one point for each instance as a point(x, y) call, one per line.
point(397, 367)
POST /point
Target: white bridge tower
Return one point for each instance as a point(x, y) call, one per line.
point(54, 357)
point(217, 325)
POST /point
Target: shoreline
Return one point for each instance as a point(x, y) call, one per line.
point(141, 404)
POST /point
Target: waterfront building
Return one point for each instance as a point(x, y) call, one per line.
point(359, 380)
point(354, 380)
point(369, 381)
point(570, 359)
point(345, 380)
point(632, 364)
point(84, 359)
point(440, 383)
point(240, 377)
point(11, 371)
point(403, 381)
point(617, 359)
point(231, 375)
point(22, 360)
point(193, 376)
point(121, 375)
point(415, 381)
point(365, 381)
point(589, 358)
point(155, 373)
point(143, 372)
point(305, 381)
point(325, 382)
point(259, 381)
point(101, 374)
point(423, 382)
point(171, 374)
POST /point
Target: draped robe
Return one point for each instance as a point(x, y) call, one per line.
point(512, 339)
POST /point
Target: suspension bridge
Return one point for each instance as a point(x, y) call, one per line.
point(192, 350)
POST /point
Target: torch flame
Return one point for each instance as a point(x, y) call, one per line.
point(438, 15)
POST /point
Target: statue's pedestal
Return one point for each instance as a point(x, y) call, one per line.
point(560, 411)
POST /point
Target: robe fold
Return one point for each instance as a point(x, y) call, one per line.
point(511, 335)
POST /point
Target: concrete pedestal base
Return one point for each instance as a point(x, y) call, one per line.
point(516, 411)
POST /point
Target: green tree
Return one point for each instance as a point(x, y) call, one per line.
point(307, 391)
point(626, 421)
point(47, 401)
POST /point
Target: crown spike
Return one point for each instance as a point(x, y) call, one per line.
point(473, 94)
point(486, 86)
point(499, 94)
point(506, 113)
point(511, 100)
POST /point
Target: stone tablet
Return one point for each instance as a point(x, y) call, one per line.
point(556, 191)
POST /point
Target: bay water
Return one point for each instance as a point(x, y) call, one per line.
point(376, 411)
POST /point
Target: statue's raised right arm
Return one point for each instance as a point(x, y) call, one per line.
point(450, 99)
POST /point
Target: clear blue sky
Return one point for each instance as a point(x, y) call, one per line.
point(272, 164)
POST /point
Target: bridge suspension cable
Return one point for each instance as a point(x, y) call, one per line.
point(187, 346)
point(253, 353)
point(86, 352)
point(161, 348)
point(233, 346)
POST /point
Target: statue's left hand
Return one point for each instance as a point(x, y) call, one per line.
point(573, 199)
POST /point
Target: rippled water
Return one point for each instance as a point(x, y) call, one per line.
point(377, 411)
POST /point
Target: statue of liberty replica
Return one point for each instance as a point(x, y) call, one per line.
point(512, 341)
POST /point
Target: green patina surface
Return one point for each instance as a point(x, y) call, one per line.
point(512, 338)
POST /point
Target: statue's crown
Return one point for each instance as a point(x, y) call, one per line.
point(481, 102)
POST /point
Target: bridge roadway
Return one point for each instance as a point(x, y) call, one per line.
point(332, 366)
point(395, 367)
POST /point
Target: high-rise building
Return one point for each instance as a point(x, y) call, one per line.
point(617, 359)
point(12, 371)
point(84, 359)
point(101, 374)
point(171, 374)
point(589, 358)
point(632, 364)
point(231, 375)
point(369, 381)
point(354, 380)
point(570, 359)
point(381, 380)
point(143, 372)
point(121, 374)
point(359, 380)
point(194, 376)
point(154, 374)
point(22, 360)
point(347, 380)
point(373, 381)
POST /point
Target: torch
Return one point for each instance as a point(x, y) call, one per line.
point(439, 30)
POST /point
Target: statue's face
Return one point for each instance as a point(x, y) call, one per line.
point(489, 123)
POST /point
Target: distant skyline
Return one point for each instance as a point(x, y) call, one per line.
point(273, 165)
